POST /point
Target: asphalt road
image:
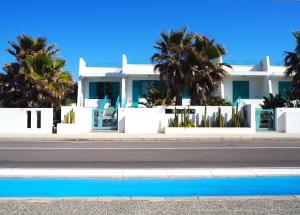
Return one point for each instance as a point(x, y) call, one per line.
point(167, 154)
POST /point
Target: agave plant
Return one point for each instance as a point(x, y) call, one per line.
point(273, 102)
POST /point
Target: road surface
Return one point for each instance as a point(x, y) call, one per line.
point(149, 154)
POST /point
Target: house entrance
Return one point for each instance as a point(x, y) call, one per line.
point(265, 119)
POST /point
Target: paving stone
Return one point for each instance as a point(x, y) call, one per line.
point(169, 206)
point(281, 212)
point(222, 212)
point(211, 205)
point(251, 204)
point(284, 204)
point(295, 211)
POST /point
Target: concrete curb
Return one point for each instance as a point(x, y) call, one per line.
point(148, 173)
point(168, 139)
point(156, 199)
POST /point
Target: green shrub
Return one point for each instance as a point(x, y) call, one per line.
point(216, 101)
point(273, 102)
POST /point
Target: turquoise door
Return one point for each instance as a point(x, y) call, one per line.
point(136, 91)
point(115, 92)
point(283, 86)
point(264, 119)
point(240, 90)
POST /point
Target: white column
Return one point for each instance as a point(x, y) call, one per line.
point(123, 90)
point(222, 90)
point(79, 94)
point(123, 84)
point(270, 86)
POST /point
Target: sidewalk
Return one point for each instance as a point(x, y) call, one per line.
point(114, 136)
point(144, 206)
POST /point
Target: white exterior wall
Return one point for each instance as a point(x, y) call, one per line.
point(14, 120)
point(256, 87)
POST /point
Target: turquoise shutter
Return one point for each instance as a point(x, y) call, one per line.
point(93, 86)
point(136, 90)
point(240, 90)
point(283, 86)
point(115, 92)
point(244, 87)
point(186, 94)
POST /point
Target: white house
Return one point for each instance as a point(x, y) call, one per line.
point(130, 82)
point(107, 96)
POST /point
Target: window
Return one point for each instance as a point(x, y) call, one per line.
point(28, 119)
point(140, 89)
point(240, 90)
point(186, 94)
point(38, 119)
point(95, 90)
point(98, 90)
point(283, 86)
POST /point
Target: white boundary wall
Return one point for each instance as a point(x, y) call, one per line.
point(14, 120)
point(83, 120)
point(141, 120)
point(287, 120)
point(155, 120)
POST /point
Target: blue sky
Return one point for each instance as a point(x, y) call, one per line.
point(101, 31)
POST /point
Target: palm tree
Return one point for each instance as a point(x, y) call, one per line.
point(188, 61)
point(37, 78)
point(51, 82)
point(28, 45)
point(170, 59)
point(292, 62)
point(205, 72)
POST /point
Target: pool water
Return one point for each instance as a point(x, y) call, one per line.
point(59, 187)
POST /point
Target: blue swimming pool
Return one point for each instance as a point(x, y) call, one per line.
point(37, 187)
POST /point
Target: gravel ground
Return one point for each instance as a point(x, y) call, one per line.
point(145, 206)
